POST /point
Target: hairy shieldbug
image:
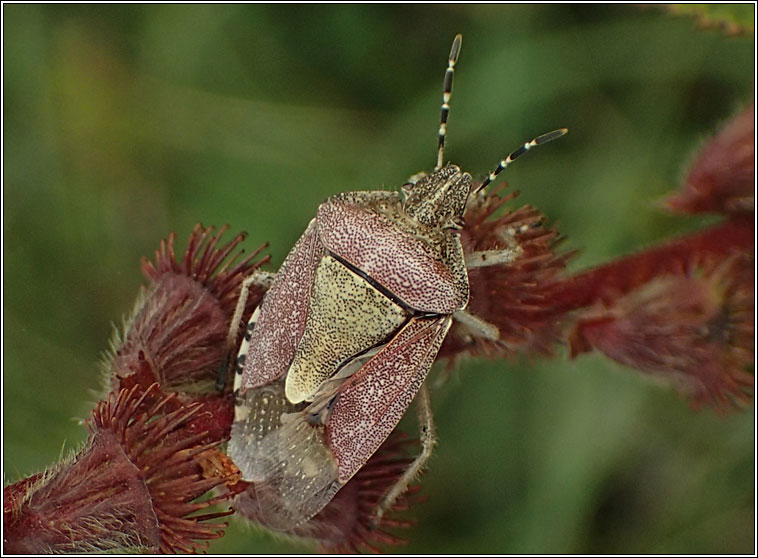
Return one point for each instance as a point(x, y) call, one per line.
point(349, 328)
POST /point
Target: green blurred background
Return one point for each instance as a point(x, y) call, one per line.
point(124, 123)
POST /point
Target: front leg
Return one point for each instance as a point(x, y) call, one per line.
point(257, 278)
point(487, 258)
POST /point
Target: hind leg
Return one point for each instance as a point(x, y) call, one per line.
point(427, 438)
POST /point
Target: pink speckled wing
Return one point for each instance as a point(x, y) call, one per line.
point(397, 260)
point(284, 312)
point(374, 399)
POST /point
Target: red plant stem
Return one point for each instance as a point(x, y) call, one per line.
point(623, 275)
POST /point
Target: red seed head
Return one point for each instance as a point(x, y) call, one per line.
point(134, 486)
point(510, 295)
point(694, 329)
point(721, 178)
point(176, 334)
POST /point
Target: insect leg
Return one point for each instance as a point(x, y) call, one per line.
point(258, 278)
point(427, 438)
point(486, 258)
point(477, 326)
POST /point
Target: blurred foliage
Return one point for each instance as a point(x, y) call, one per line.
point(732, 18)
point(123, 123)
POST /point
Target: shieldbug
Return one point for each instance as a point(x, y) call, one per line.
point(349, 328)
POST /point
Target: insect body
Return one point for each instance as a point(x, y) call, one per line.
point(347, 332)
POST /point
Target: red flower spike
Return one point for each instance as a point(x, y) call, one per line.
point(129, 488)
point(609, 282)
point(213, 422)
point(176, 335)
point(179, 331)
point(174, 464)
point(204, 262)
point(694, 328)
point(346, 524)
point(721, 179)
point(509, 295)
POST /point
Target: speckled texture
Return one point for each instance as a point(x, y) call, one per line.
point(364, 277)
point(346, 316)
point(374, 399)
point(438, 199)
point(422, 266)
point(283, 314)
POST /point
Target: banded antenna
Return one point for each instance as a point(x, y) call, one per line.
point(539, 140)
point(447, 89)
